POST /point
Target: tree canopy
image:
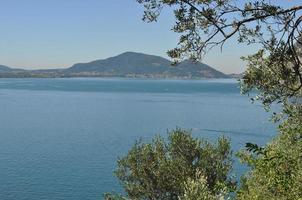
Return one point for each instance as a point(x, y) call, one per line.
point(171, 169)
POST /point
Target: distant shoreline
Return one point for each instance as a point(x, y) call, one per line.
point(113, 77)
point(125, 65)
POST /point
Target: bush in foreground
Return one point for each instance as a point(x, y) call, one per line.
point(276, 170)
point(180, 167)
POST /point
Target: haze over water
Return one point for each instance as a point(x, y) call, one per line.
point(60, 138)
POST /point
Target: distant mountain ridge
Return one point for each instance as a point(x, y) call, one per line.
point(128, 64)
point(4, 68)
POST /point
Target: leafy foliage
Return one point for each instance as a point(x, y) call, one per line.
point(274, 80)
point(277, 174)
point(197, 189)
point(163, 170)
point(254, 148)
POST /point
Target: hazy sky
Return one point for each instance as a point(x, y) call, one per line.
point(59, 33)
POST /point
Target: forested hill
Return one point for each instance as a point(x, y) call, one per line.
point(129, 64)
point(132, 64)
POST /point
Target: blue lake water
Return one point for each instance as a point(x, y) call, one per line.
point(60, 138)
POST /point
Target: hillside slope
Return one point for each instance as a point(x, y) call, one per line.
point(132, 64)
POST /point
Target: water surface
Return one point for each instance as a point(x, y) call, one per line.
point(60, 138)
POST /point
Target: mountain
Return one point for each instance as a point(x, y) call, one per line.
point(9, 72)
point(4, 69)
point(129, 64)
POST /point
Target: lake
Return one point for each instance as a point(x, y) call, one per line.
point(60, 138)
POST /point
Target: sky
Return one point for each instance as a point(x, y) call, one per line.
point(42, 34)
